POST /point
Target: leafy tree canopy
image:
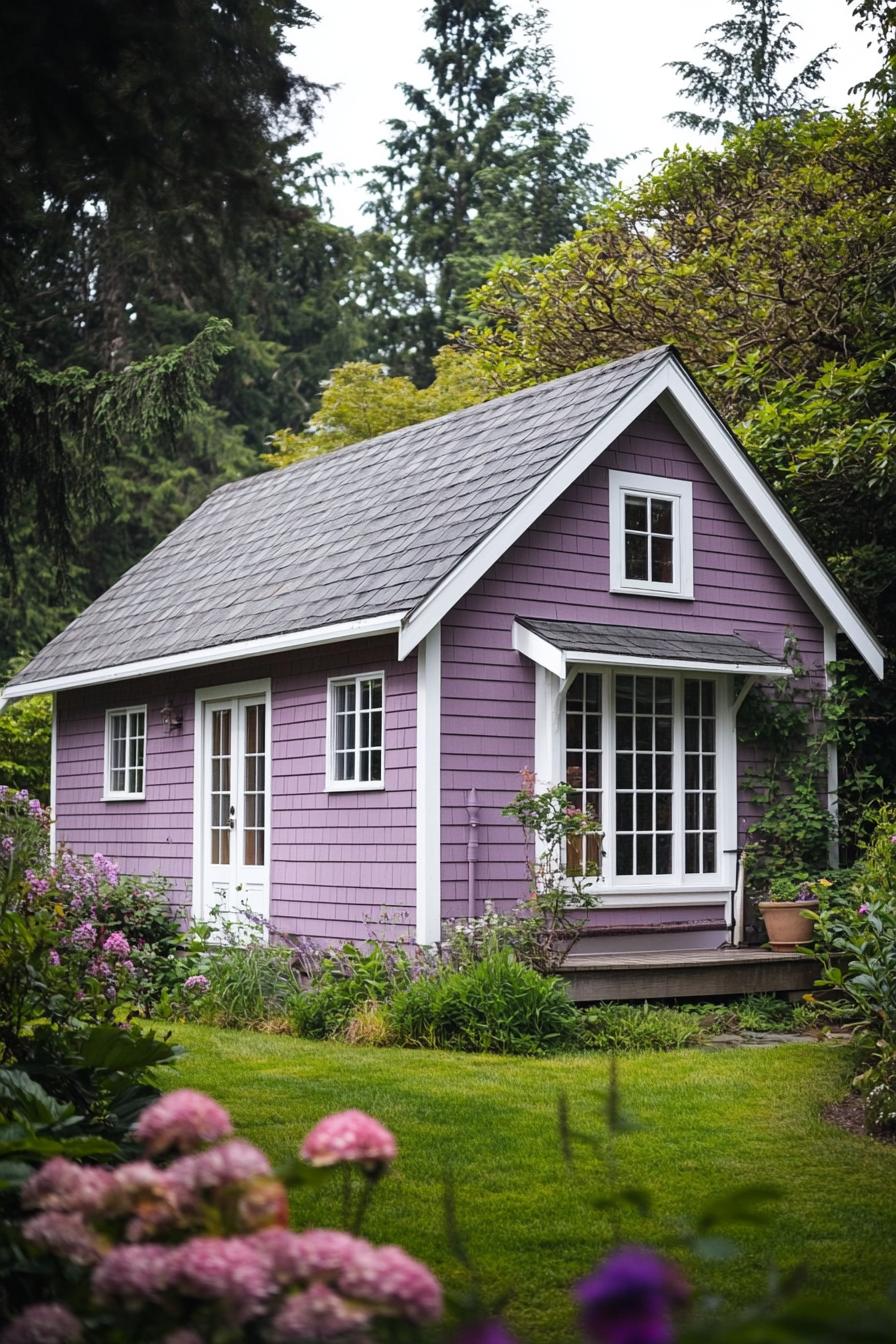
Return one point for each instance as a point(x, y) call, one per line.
point(741, 79)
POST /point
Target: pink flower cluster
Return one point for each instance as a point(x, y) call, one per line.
point(141, 1231)
point(349, 1136)
point(182, 1121)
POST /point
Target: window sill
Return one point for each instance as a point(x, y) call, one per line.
point(124, 798)
point(354, 786)
point(650, 590)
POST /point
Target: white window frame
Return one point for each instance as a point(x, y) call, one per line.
point(111, 795)
point(334, 785)
point(680, 495)
point(677, 887)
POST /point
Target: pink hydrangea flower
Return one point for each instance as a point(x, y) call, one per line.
point(131, 1276)
point(116, 945)
point(228, 1270)
point(149, 1195)
point(228, 1164)
point(395, 1282)
point(318, 1314)
point(300, 1257)
point(262, 1204)
point(84, 935)
point(44, 1323)
point(182, 1121)
point(63, 1234)
point(349, 1136)
point(199, 983)
point(66, 1187)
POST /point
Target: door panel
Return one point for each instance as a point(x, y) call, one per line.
point(235, 806)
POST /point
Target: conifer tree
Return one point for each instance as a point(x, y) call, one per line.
point(740, 81)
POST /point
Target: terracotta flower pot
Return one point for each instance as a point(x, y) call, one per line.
point(787, 923)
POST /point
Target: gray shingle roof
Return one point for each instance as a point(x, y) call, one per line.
point(626, 641)
point(366, 530)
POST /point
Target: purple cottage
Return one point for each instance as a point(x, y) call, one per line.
point(316, 695)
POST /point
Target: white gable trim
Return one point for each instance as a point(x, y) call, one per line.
point(429, 792)
point(706, 433)
point(218, 653)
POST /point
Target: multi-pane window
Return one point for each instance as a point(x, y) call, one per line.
point(254, 784)
point(355, 748)
point(700, 811)
point(641, 751)
point(649, 524)
point(222, 810)
point(644, 758)
point(651, 534)
point(584, 765)
point(125, 752)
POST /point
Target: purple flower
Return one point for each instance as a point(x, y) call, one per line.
point(83, 936)
point(200, 983)
point(106, 869)
point(349, 1136)
point(35, 808)
point(7, 845)
point(485, 1332)
point(117, 945)
point(630, 1298)
point(182, 1121)
point(22, 796)
point(864, 908)
point(805, 892)
point(44, 1323)
point(53, 957)
point(39, 886)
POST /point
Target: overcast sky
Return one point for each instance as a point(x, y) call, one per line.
point(609, 58)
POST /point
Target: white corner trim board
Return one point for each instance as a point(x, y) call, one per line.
point(218, 653)
point(708, 435)
point(429, 792)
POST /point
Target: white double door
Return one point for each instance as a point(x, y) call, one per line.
point(235, 806)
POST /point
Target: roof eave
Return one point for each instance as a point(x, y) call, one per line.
point(339, 632)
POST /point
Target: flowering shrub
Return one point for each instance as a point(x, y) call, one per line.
point(856, 944)
point(190, 1242)
point(563, 845)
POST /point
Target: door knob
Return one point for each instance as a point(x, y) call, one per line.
point(232, 815)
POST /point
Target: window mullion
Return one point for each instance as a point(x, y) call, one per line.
point(608, 766)
point(678, 780)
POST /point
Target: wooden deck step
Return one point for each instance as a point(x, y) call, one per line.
point(593, 977)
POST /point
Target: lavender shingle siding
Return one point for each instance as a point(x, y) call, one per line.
point(559, 570)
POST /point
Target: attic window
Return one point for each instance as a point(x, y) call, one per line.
point(651, 535)
point(125, 753)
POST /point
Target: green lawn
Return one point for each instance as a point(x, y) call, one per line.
point(709, 1121)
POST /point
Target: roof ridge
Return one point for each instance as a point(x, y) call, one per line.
point(464, 413)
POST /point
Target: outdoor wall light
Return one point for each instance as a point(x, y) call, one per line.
point(171, 717)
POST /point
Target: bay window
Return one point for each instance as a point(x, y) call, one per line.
point(640, 750)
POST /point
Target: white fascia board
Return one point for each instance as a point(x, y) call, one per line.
point(480, 559)
point(678, 664)
point(218, 653)
point(539, 650)
point(715, 445)
point(428, 797)
point(709, 436)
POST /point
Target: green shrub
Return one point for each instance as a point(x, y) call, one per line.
point(498, 1005)
point(349, 978)
point(250, 984)
point(625, 1026)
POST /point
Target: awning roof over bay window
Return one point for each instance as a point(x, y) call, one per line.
point(557, 645)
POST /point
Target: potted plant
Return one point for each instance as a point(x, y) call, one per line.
point(788, 913)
